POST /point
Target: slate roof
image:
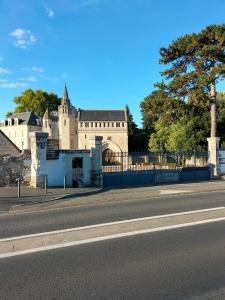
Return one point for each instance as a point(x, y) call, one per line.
point(27, 118)
point(102, 115)
point(7, 146)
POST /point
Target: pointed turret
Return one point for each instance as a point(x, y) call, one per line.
point(46, 114)
point(65, 100)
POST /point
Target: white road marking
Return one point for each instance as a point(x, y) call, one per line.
point(109, 237)
point(170, 192)
point(111, 223)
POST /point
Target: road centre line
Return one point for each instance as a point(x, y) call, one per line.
point(108, 237)
point(111, 223)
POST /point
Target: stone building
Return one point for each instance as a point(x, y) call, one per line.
point(18, 126)
point(72, 128)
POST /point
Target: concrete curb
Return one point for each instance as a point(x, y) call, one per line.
point(57, 203)
point(29, 207)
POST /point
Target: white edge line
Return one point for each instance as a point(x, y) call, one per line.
point(110, 223)
point(108, 237)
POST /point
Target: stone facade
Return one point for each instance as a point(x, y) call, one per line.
point(12, 168)
point(70, 128)
point(18, 126)
point(73, 128)
point(38, 158)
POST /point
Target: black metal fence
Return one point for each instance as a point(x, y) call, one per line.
point(145, 161)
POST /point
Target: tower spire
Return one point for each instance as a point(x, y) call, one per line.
point(66, 100)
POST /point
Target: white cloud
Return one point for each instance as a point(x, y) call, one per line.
point(37, 69)
point(37, 72)
point(29, 78)
point(23, 38)
point(11, 85)
point(49, 11)
point(4, 71)
point(64, 75)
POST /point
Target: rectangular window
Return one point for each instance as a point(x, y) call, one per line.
point(86, 124)
point(112, 124)
point(123, 124)
point(117, 124)
point(103, 124)
point(91, 124)
point(108, 124)
point(64, 122)
point(96, 124)
point(100, 124)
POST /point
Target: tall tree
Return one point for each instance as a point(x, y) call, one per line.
point(36, 101)
point(160, 105)
point(197, 62)
point(132, 126)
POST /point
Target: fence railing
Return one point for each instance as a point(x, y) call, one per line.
point(147, 161)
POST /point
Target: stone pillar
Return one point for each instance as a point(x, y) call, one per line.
point(95, 144)
point(38, 142)
point(213, 151)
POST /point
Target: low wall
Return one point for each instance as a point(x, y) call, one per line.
point(154, 177)
point(12, 168)
point(222, 161)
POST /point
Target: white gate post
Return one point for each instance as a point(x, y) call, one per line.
point(213, 151)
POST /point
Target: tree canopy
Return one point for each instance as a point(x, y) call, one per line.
point(180, 126)
point(36, 101)
point(196, 63)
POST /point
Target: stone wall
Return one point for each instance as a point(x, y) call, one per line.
point(12, 168)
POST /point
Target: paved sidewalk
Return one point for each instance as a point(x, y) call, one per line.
point(97, 196)
point(8, 195)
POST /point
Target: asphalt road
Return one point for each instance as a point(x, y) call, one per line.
point(185, 263)
point(57, 219)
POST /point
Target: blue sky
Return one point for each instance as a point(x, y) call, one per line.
point(106, 50)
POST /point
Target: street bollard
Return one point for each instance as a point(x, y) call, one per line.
point(64, 182)
point(46, 185)
point(18, 187)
